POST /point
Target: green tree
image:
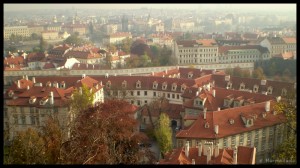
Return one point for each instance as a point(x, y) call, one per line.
point(27, 147)
point(237, 71)
point(43, 45)
point(74, 39)
point(246, 73)
point(163, 133)
point(286, 152)
point(126, 45)
point(258, 73)
point(82, 99)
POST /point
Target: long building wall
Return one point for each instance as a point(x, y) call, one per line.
point(10, 75)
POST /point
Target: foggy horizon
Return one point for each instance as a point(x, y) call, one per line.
point(241, 7)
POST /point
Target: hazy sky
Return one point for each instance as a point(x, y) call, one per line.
point(266, 7)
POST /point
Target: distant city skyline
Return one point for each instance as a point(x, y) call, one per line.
point(260, 7)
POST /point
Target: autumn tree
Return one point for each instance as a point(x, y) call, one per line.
point(52, 134)
point(163, 133)
point(28, 147)
point(286, 152)
point(104, 134)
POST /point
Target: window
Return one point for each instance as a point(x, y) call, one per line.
point(131, 93)
point(16, 119)
point(23, 119)
point(241, 143)
point(124, 84)
point(249, 136)
point(256, 139)
point(168, 95)
point(146, 101)
point(32, 118)
point(173, 96)
point(155, 85)
point(132, 101)
point(154, 94)
point(242, 86)
point(270, 89)
point(138, 93)
point(233, 140)
point(138, 102)
point(224, 142)
point(177, 96)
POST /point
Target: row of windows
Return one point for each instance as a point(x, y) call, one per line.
point(191, 55)
point(196, 50)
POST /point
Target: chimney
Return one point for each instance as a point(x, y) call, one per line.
point(214, 93)
point(208, 154)
point(93, 66)
point(197, 93)
point(19, 84)
point(267, 106)
point(87, 65)
point(235, 155)
point(78, 64)
point(100, 83)
point(97, 86)
point(199, 148)
point(217, 150)
point(193, 161)
point(217, 129)
point(187, 148)
point(26, 77)
point(80, 90)
point(83, 76)
point(28, 87)
point(33, 79)
point(166, 71)
point(152, 73)
point(51, 98)
point(219, 108)
point(204, 113)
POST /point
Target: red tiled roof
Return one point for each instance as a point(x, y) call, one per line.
point(222, 117)
point(225, 49)
point(178, 156)
point(250, 82)
point(289, 40)
point(16, 60)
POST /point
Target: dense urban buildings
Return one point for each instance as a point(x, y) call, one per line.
point(171, 61)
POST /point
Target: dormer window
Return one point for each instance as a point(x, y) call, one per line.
point(283, 93)
point(174, 86)
point(255, 88)
point(229, 85)
point(190, 75)
point(62, 84)
point(32, 99)
point(108, 84)
point(10, 93)
point(227, 78)
point(183, 87)
point(264, 114)
point(44, 101)
point(138, 84)
point(270, 90)
point(164, 86)
point(206, 125)
point(124, 84)
point(48, 84)
point(242, 86)
point(231, 121)
point(155, 84)
point(249, 122)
